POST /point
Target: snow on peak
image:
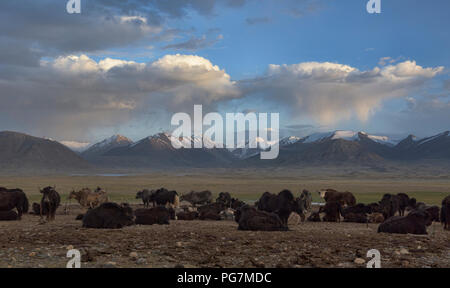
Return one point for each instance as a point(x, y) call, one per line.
point(347, 135)
point(76, 146)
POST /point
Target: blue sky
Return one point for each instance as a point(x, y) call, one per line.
point(335, 65)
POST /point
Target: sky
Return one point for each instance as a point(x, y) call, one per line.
point(125, 67)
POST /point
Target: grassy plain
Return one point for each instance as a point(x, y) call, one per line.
point(246, 184)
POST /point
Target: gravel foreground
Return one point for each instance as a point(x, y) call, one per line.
point(189, 244)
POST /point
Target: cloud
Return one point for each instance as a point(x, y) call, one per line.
point(71, 96)
point(330, 93)
point(194, 43)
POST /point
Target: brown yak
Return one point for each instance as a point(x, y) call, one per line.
point(89, 199)
point(344, 198)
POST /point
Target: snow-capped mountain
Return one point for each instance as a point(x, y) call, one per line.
point(349, 136)
point(76, 146)
point(107, 145)
point(20, 151)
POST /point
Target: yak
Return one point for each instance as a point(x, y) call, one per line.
point(211, 211)
point(87, 198)
point(165, 197)
point(415, 222)
point(13, 198)
point(50, 202)
point(282, 204)
point(445, 213)
point(157, 215)
point(145, 195)
point(10, 215)
point(108, 216)
point(251, 219)
point(314, 217)
point(197, 198)
point(187, 215)
point(332, 210)
point(344, 198)
point(225, 199)
point(389, 205)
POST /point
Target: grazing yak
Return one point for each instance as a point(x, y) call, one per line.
point(445, 213)
point(108, 216)
point(157, 215)
point(10, 215)
point(187, 215)
point(86, 198)
point(332, 210)
point(13, 198)
point(415, 222)
point(251, 219)
point(145, 195)
point(197, 198)
point(282, 204)
point(165, 197)
point(344, 198)
point(50, 202)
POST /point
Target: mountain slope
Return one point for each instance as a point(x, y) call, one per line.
point(157, 151)
point(105, 146)
point(23, 152)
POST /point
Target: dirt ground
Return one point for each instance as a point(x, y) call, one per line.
point(29, 243)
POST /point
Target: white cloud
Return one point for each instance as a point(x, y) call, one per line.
point(330, 93)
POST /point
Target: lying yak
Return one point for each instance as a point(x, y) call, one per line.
point(13, 198)
point(157, 215)
point(108, 215)
point(197, 198)
point(357, 209)
point(434, 212)
point(415, 222)
point(283, 204)
point(211, 211)
point(445, 213)
point(251, 219)
point(187, 215)
point(356, 218)
point(10, 215)
point(344, 198)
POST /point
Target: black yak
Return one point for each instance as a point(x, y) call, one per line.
point(108, 215)
point(415, 222)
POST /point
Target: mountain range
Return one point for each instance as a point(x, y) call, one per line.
point(23, 152)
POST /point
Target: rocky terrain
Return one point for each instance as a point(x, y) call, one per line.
point(29, 243)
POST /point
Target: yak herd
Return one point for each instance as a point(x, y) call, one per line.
point(270, 213)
